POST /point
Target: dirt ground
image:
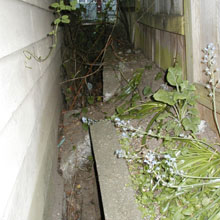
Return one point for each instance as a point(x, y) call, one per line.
point(76, 163)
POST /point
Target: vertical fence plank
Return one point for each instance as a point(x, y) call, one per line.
point(192, 34)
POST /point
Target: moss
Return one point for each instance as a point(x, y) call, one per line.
point(137, 5)
point(165, 58)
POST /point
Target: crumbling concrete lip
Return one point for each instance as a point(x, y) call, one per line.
point(118, 199)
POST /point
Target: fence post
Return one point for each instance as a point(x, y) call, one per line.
point(192, 37)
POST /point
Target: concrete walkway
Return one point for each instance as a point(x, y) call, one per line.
point(118, 199)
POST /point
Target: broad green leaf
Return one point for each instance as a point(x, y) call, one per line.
point(170, 125)
point(147, 91)
point(99, 98)
point(185, 85)
point(191, 123)
point(163, 116)
point(68, 8)
point(191, 99)
point(65, 17)
point(178, 130)
point(158, 76)
point(91, 100)
point(61, 2)
point(179, 96)
point(165, 97)
point(62, 7)
point(66, 21)
point(57, 21)
point(187, 124)
point(73, 4)
point(55, 5)
point(174, 75)
point(193, 111)
point(52, 33)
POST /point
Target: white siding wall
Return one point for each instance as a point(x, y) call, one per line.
point(30, 105)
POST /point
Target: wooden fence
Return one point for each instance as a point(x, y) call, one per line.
point(202, 26)
point(171, 31)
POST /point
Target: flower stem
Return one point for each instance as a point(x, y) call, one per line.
point(214, 110)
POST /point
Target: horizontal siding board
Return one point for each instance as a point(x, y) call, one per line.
point(44, 4)
point(26, 25)
point(18, 82)
point(20, 32)
point(30, 99)
point(22, 127)
point(37, 164)
point(37, 209)
point(41, 21)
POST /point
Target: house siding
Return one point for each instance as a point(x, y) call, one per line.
point(30, 106)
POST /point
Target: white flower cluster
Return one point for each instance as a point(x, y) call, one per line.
point(209, 56)
point(162, 168)
point(120, 153)
point(202, 126)
point(151, 160)
point(127, 129)
point(88, 121)
point(209, 60)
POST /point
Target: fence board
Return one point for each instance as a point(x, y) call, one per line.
point(169, 29)
point(171, 7)
point(202, 27)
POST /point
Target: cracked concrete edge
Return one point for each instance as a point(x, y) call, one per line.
point(118, 198)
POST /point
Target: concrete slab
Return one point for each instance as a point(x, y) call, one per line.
point(111, 77)
point(113, 175)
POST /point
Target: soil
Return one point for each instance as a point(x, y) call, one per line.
point(76, 163)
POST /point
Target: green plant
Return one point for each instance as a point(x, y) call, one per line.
point(59, 8)
point(140, 110)
point(181, 178)
point(147, 91)
point(132, 85)
point(178, 183)
point(181, 114)
point(158, 76)
point(211, 72)
point(129, 95)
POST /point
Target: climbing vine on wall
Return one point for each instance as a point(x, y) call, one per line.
point(59, 9)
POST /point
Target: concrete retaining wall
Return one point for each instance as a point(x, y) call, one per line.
point(30, 107)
